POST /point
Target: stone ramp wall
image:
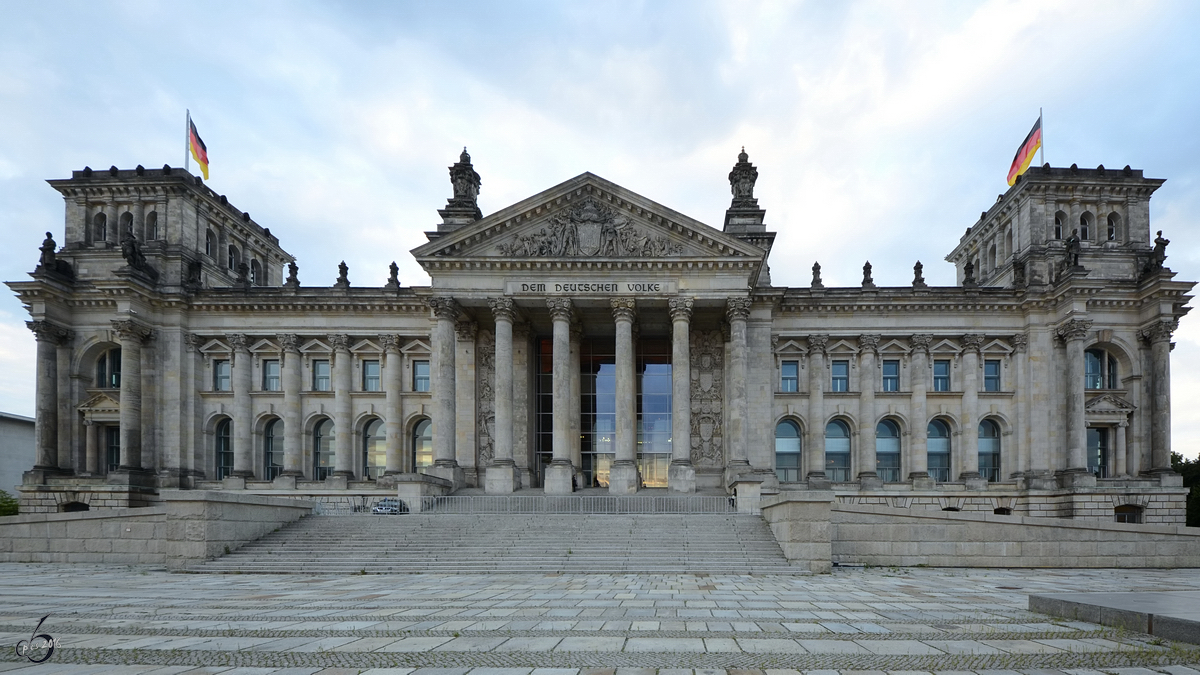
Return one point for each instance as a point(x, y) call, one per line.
point(878, 535)
point(187, 527)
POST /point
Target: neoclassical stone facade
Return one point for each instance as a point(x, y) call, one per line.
point(590, 338)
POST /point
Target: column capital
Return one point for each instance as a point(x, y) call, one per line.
point(623, 308)
point(560, 308)
point(1159, 331)
point(921, 342)
point(972, 342)
point(868, 343)
point(239, 341)
point(193, 341)
point(1075, 329)
point(466, 330)
point(391, 342)
point(681, 308)
point(45, 331)
point(289, 341)
point(817, 343)
point(130, 329)
point(737, 309)
point(444, 307)
point(1020, 342)
point(504, 309)
point(340, 342)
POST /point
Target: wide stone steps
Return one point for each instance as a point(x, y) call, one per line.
point(464, 543)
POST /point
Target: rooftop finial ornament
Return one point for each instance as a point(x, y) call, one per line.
point(741, 182)
point(463, 208)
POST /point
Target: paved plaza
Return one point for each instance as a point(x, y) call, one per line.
point(900, 621)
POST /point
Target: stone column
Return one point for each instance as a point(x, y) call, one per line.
point(1119, 465)
point(814, 450)
point(623, 476)
point(46, 396)
point(92, 449)
point(501, 476)
point(343, 433)
point(1020, 359)
point(918, 446)
point(737, 311)
point(1073, 333)
point(576, 442)
point(445, 311)
point(968, 459)
point(66, 447)
point(681, 475)
point(522, 415)
point(867, 476)
point(1159, 337)
point(293, 438)
point(466, 444)
point(393, 383)
point(560, 475)
point(132, 334)
point(243, 415)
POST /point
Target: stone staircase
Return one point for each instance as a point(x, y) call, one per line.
point(509, 543)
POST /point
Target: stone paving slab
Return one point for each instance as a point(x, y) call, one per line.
point(858, 622)
point(1174, 615)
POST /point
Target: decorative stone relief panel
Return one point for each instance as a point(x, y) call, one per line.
point(708, 385)
point(589, 229)
point(485, 397)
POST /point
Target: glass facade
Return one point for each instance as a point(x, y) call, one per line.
point(373, 451)
point(422, 444)
point(1098, 451)
point(323, 449)
point(837, 451)
point(112, 446)
point(989, 450)
point(787, 451)
point(938, 446)
point(273, 448)
point(224, 449)
point(887, 451)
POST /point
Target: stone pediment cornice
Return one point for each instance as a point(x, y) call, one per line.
point(584, 222)
point(1109, 403)
point(100, 403)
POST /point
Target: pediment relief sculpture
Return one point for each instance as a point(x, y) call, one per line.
point(590, 229)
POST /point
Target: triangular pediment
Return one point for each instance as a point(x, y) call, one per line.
point(100, 403)
point(1109, 403)
point(583, 220)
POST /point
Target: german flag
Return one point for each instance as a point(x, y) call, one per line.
point(199, 150)
point(1025, 153)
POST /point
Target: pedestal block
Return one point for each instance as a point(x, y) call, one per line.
point(681, 478)
point(337, 482)
point(284, 482)
point(1076, 479)
point(560, 479)
point(501, 479)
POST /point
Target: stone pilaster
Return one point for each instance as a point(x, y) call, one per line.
point(66, 416)
point(918, 446)
point(445, 311)
point(1020, 361)
point(968, 459)
point(522, 415)
point(46, 396)
point(1072, 333)
point(576, 413)
point(1120, 469)
point(466, 448)
point(91, 432)
point(814, 451)
point(293, 438)
point(1158, 335)
point(737, 311)
point(132, 334)
point(243, 415)
point(393, 382)
point(501, 476)
point(560, 475)
point(343, 432)
point(681, 475)
point(867, 476)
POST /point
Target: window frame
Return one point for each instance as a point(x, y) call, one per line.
point(785, 471)
point(367, 438)
point(222, 375)
point(1107, 372)
point(418, 379)
point(839, 383)
point(270, 378)
point(991, 381)
point(368, 379)
point(416, 437)
point(106, 376)
point(991, 469)
point(888, 473)
point(789, 383)
point(942, 383)
point(939, 473)
point(272, 449)
point(839, 471)
point(323, 435)
point(322, 381)
point(223, 448)
point(890, 382)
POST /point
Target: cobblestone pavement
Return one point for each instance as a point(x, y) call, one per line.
point(905, 621)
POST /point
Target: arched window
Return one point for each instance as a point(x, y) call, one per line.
point(1100, 370)
point(152, 225)
point(1128, 513)
point(224, 449)
point(323, 450)
point(1085, 226)
point(374, 456)
point(992, 258)
point(787, 451)
point(1008, 244)
point(1060, 220)
point(887, 451)
point(989, 450)
point(233, 258)
point(108, 369)
point(255, 273)
point(273, 449)
point(1114, 221)
point(938, 445)
point(422, 445)
point(126, 225)
point(100, 227)
point(837, 451)
point(210, 243)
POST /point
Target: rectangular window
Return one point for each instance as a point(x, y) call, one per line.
point(841, 376)
point(221, 375)
point(320, 372)
point(420, 376)
point(791, 376)
point(991, 375)
point(370, 374)
point(941, 375)
point(891, 375)
point(270, 370)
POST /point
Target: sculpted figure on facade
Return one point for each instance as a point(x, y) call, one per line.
point(708, 384)
point(48, 260)
point(589, 229)
point(1159, 257)
point(485, 396)
point(741, 181)
point(343, 280)
point(816, 276)
point(293, 278)
point(918, 275)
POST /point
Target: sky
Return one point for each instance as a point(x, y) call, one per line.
point(880, 130)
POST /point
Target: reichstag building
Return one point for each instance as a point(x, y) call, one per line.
point(588, 338)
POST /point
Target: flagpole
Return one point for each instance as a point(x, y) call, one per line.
point(1042, 149)
point(187, 142)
